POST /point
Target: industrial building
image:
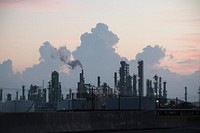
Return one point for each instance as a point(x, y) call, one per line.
point(124, 84)
point(38, 95)
point(55, 94)
point(128, 93)
point(82, 90)
point(17, 105)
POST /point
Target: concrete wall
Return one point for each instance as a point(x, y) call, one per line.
point(90, 121)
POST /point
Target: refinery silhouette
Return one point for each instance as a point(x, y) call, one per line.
point(99, 107)
point(127, 94)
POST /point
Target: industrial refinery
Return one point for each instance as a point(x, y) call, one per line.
point(127, 94)
point(98, 107)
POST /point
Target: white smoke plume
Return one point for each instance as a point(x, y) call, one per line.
point(62, 54)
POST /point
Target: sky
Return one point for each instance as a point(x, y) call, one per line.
point(137, 26)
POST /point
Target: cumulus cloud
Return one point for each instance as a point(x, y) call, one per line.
point(97, 54)
point(47, 52)
point(51, 59)
point(9, 79)
point(7, 67)
point(151, 55)
point(7, 76)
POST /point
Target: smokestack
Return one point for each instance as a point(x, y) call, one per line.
point(44, 95)
point(148, 87)
point(98, 81)
point(115, 79)
point(1, 94)
point(17, 95)
point(140, 82)
point(151, 89)
point(82, 76)
point(42, 84)
point(70, 93)
point(164, 90)
point(134, 85)
point(160, 87)
point(156, 85)
point(140, 78)
point(23, 92)
point(185, 94)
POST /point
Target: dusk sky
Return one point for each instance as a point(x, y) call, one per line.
point(165, 33)
point(172, 24)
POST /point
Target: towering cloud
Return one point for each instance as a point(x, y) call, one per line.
point(151, 55)
point(97, 54)
point(99, 58)
point(8, 79)
point(51, 59)
point(175, 82)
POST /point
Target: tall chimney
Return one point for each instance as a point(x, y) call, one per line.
point(148, 91)
point(156, 85)
point(164, 90)
point(98, 81)
point(185, 94)
point(23, 92)
point(140, 82)
point(70, 93)
point(1, 94)
point(115, 79)
point(82, 76)
point(140, 78)
point(134, 85)
point(160, 87)
point(17, 95)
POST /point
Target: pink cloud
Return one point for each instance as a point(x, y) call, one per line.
point(192, 39)
point(186, 62)
point(184, 69)
point(39, 5)
point(191, 54)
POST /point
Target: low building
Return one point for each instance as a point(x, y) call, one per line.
point(17, 106)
